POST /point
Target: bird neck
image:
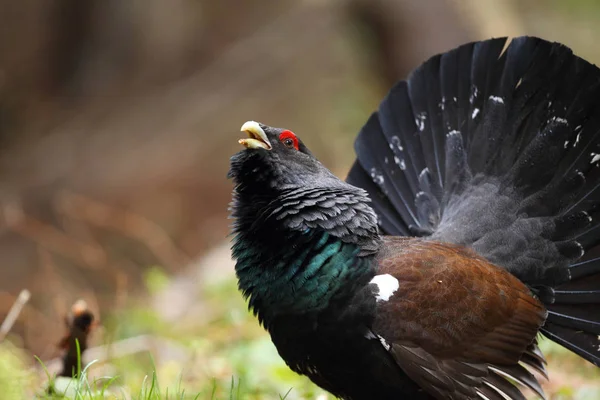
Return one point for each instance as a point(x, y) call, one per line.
point(298, 272)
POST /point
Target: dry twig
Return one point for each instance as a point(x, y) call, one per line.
point(14, 312)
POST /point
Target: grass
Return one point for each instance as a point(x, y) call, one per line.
point(219, 353)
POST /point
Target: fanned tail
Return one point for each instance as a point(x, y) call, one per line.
point(498, 148)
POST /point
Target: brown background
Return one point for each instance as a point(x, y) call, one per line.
point(117, 119)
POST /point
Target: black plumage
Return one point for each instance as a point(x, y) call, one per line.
point(79, 323)
point(468, 224)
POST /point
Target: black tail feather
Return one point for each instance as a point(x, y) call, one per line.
point(577, 296)
point(386, 170)
point(570, 321)
point(584, 344)
point(499, 149)
point(389, 219)
point(585, 268)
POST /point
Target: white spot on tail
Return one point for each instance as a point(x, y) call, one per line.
point(420, 121)
point(475, 112)
point(577, 138)
point(560, 120)
point(595, 157)
point(474, 93)
point(400, 162)
point(387, 285)
point(566, 144)
point(396, 143)
point(377, 177)
point(497, 99)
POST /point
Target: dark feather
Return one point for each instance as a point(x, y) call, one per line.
point(508, 140)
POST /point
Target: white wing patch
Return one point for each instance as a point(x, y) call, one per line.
point(387, 285)
point(370, 335)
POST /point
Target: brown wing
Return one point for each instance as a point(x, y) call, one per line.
point(457, 324)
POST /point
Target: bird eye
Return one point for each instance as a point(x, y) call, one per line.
point(289, 140)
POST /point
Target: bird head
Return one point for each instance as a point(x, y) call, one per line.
point(275, 160)
point(278, 181)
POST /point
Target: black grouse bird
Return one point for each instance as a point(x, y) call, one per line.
point(458, 236)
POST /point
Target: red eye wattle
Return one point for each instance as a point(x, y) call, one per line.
point(289, 139)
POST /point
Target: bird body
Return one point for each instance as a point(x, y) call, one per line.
point(457, 237)
point(80, 323)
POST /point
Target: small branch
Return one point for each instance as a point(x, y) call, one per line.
point(14, 313)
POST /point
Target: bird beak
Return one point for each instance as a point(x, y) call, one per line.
point(257, 138)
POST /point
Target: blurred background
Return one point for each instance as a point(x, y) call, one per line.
point(117, 120)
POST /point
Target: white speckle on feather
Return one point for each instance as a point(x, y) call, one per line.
point(474, 93)
point(560, 120)
point(386, 160)
point(442, 104)
point(566, 144)
point(384, 343)
point(387, 285)
point(377, 176)
point(400, 162)
point(549, 104)
point(453, 133)
point(595, 158)
point(424, 172)
point(475, 112)
point(577, 139)
point(420, 121)
point(497, 99)
point(455, 99)
point(371, 336)
point(396, 142)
